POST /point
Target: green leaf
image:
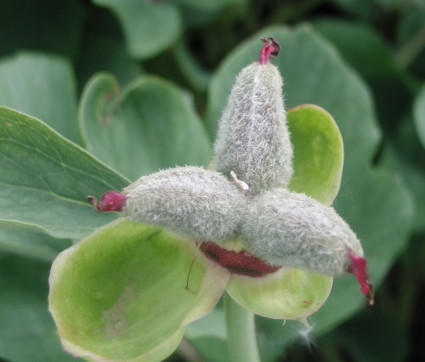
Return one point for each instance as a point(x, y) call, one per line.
point(405, 156)
point(141, 287)
point(149, 26)
point(195, 74)
point(419, 115)
point(29, 241)
point(45, 179)
point(104, 50)
point(28, 24)
point(370, 337)
point(318, 153)
point(27, 331)
point(359, 8)
point(212, 325)
point(374, 203)
point(402, 4)
point(142, 129)
point(209, 336)
point(368, 53)
point(211, 6)
point(42, 86)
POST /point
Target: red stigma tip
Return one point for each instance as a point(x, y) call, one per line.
point(358, 267)
point(109, 201)
point(271, 48)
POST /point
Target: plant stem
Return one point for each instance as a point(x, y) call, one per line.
point(188, 353)
point(411, 49)
point(240, 332)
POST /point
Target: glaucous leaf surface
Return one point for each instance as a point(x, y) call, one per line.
point(46, 179)
point(372, 201)
point(148, 126)
point(405, 156)
point(373, 59)
point(42, 86)
point(27, 330)
point(16, 238)
point(149, 26)
point(141, 286)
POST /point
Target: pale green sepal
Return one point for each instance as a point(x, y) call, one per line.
point(419, 114)
point(289, 293)
point(318, 152)
point(127, 291)
point(158, 353)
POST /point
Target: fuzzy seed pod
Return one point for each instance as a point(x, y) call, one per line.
point(202, 205)
point(253, 138)
point(291, 229)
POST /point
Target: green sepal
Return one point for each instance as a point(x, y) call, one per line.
point(419, 115)
point(127, 291)
point(289, 293)
point(318, 152)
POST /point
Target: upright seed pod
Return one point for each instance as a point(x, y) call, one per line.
point(253, 138)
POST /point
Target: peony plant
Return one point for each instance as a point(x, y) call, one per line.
point(188, 234)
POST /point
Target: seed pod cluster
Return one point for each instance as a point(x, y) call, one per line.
point(247, 195)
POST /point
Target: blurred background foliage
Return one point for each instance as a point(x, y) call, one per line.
point(362, 60)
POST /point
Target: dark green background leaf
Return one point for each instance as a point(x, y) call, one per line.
point(372, 58)
point(42, 86)
point(103, 49)
point(27, 332)
point(149, 26)
point(47, 25)
point(405, 156)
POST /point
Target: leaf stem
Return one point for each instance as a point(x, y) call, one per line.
point(240, 332)
point(411, 49)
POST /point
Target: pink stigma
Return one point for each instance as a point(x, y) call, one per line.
point(358, 267)
point(109, 201)
point(271, 48)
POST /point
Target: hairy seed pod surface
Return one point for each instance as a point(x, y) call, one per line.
point(291, 229)
point(200, 204)
point(253, 138)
